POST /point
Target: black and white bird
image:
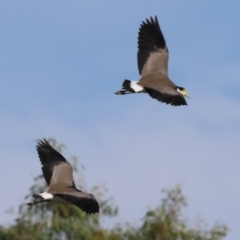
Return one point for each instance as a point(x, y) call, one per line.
point(152, 59)
point(58, 174)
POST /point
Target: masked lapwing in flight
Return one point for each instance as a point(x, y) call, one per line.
point(58, 174)
point(152, 59)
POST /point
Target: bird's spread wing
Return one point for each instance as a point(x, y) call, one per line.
point(172, 97)
point(84, 201)
point(152, 50)
point(55, 168)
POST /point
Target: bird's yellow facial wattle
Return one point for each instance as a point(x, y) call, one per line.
point(183, 91)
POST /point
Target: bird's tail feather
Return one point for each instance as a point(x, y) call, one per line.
point(130, 87)
point(38, 196)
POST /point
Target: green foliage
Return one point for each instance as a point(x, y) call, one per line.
point(167, 223)
point(67, 222)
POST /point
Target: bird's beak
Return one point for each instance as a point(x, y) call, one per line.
point(186, 94)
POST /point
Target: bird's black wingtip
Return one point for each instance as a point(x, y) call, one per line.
point(91, 210)
point(92, 207)
point(42, 143)
point(177, 104)
point(150, 20)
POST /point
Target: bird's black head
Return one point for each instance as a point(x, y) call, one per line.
point(180, 88)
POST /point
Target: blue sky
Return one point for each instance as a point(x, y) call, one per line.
point(61, 62)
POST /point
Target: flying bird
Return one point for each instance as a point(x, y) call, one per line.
point(58, 174)
point(152, 60)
